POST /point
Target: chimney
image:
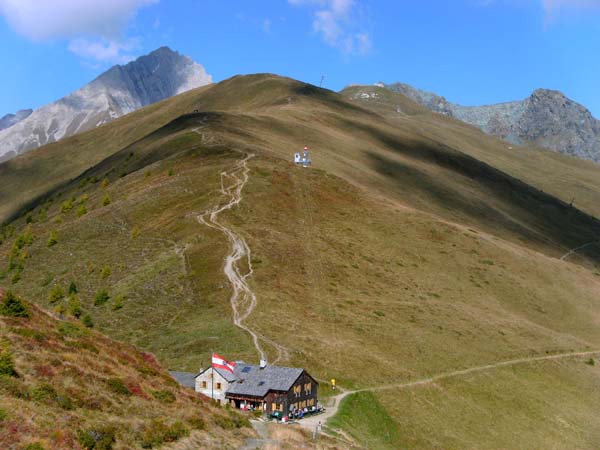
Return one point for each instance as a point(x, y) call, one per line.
point(263, 363)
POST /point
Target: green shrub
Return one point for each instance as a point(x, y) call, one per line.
point(30, 333)
point(81, 211)
point(43, 393)
point(66, 206)
point(56, 293)
point(97, 438)
point(16, 278)
point(71, 330)
point(106, 200)
point(52, 239)
point(34, 446)
point(158, 433)
point(164, 396)
point(3, 415)
point(75, 306)
point(14, 387)
point(13, 306)
point(101, 297)
point(106, 272)
point(87, 321)
point(118, 302)
point(379, 313)
point(197, 423)
point(104, 183)
point(591, 362)
point(7, 363)
point(171, 172)
point(117, 386)
point(234, 420)
point(60, 309)
point(135, 232)
point(72, 288)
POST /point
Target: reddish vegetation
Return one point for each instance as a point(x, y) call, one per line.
point(71, 380)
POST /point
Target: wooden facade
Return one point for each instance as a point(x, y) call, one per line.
point(303, 393)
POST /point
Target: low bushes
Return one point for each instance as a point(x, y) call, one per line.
point(102, 438)
point(158, 433)
point(12, 306)
point(164, 396)
point(117, 386)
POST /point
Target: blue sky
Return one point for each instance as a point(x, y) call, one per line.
point(470, 51)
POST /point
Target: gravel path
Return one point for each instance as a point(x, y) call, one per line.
point(243, 299)
point(331, 410)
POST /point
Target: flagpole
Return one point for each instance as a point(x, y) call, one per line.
point(212, 377)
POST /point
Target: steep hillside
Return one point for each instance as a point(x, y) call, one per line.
point(409, 244)
point(118, 91)
point(569, 179)
point(546, 118)
point(66, 386)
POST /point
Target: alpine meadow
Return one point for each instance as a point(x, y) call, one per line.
point(447, 281)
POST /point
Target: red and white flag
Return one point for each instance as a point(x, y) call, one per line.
point(219, 363)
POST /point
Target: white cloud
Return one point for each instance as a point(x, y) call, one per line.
point(336, 22)
point(103, 51)
point(94, 26)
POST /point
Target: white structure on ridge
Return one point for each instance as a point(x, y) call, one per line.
point(302, 158)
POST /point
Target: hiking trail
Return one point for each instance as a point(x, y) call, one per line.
point(575, 250)
point(243, 299)
point(331, 410)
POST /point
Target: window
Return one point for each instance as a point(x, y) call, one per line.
point(204, 385)
point(273, 406)
point(297, 391)
point(307, 388)
point(218, 386)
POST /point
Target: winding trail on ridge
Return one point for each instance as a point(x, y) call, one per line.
point(311, 422)
point(576, 249)
point(243, 299)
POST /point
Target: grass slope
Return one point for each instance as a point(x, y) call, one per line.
point(72, 387)
point(396, 249)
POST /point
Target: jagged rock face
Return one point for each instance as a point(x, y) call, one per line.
point(430, 100)
point(547, 118)
point(118, 91)
point(12, 119)
point(552, 120)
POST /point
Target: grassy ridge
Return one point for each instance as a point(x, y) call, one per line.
point(395, 249)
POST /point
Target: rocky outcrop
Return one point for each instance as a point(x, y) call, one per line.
point(547, 118)
point(118, 91)
point(12, 119)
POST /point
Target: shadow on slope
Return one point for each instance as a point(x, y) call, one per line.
point(454, 183)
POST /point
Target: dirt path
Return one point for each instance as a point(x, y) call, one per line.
point(243, 299)
point(576, 249)
point(332, 409)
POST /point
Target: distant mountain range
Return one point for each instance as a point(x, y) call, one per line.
point(118, 91)
point(547, 118)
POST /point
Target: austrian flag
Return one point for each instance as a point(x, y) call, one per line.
point(219, 363)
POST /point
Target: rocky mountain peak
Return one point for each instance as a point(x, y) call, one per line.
point(120, 90)
point(547, 118)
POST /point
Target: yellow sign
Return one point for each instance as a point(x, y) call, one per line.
point(333, 381)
